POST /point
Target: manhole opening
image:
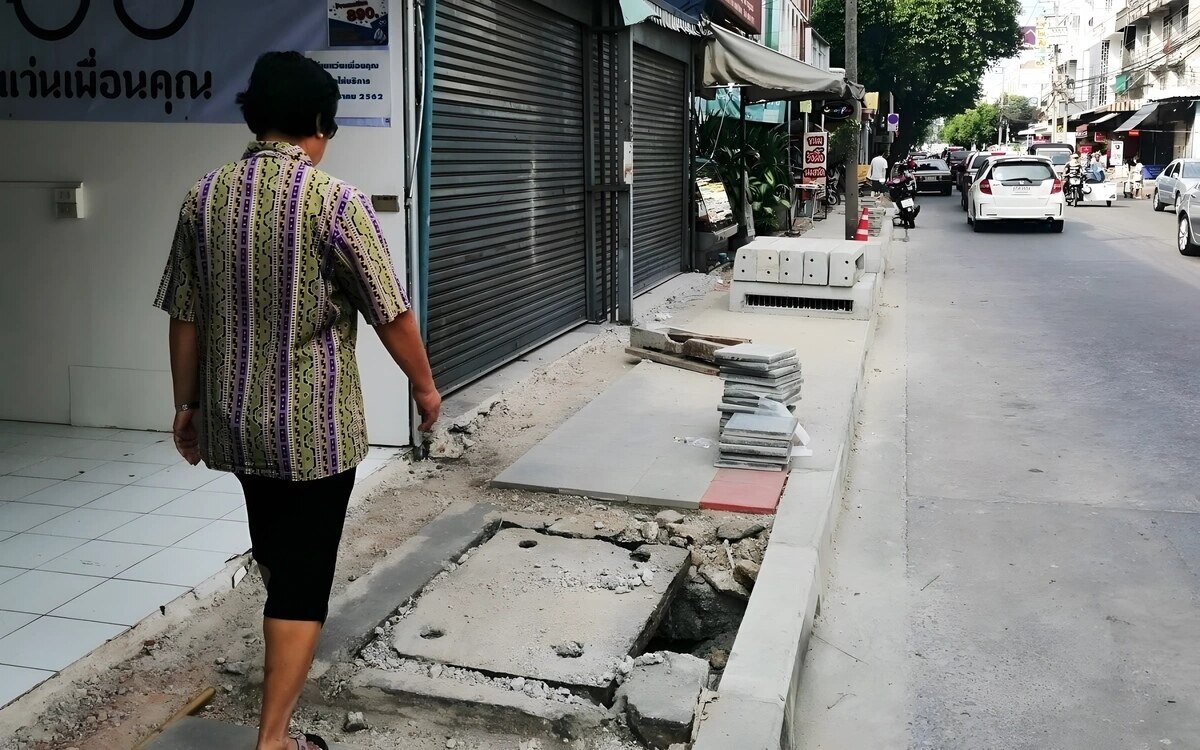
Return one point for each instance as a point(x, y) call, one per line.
point(527, 543)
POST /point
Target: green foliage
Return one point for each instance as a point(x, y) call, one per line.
point(975, 127)
point(767, 160)
point(842, 140)
point(979, 124)
point(930, 54)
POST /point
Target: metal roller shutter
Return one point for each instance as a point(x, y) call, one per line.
point(507, 255)
point(659, 166)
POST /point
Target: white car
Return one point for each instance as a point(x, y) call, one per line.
point(1016, 188)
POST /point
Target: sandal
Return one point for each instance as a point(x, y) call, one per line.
point(304, 741)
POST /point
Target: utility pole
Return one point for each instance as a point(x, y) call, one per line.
point(852, 157)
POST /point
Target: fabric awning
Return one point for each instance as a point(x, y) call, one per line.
point(1138, 117)
point(764, 75)
point(1106, 118)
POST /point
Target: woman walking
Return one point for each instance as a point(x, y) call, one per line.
point(273, 261)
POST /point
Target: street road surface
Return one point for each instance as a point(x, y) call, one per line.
point(1018, 557)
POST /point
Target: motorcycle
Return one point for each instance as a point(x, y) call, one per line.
point(902, 189)
point(1073, 189)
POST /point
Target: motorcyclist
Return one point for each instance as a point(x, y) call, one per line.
point(1074, 174)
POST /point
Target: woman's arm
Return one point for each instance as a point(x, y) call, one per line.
point(402, 339)
point(185, 365)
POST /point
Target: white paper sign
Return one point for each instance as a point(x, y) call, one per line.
point(364, 78)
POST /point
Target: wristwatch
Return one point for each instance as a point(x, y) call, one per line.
point(190, 406)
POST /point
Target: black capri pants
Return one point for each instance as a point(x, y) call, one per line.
point(295, 530)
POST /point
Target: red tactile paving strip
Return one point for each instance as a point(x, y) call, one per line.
point(744, 491)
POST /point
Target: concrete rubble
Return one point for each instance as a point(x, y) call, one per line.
point(659, 698)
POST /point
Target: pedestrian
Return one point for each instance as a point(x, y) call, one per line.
point(877, 173)
point(272, 263)
point(1137, 179)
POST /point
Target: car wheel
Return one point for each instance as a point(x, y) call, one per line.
point(1154, 201)
point(1108, 203)
point(1186, 245)
point(964, 201)
point(977, 226)
point(1057, 226)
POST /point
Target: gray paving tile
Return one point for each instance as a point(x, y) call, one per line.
point(54, 643)
point(70, 494)
point(31, 550)
point(18, 517)
point(181, 477)
point(201, 504)
point(136, 499)
point(39, 591)
point(232, 537)
point(177, 567)
point(120, 602)
point(12, 621)
point(16, 681)
point(120, 472)
point(160, 530)
point(100, 558)
point(85, 523)
point(58, 468)
point(19, 488)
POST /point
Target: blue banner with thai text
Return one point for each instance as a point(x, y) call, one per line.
point(170, 61)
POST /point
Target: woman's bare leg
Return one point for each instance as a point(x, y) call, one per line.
point(289, 655)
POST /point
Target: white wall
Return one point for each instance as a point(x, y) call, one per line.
point(81, 340)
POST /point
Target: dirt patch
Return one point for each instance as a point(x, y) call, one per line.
point(102, 706)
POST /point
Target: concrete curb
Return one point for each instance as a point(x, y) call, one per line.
point(759, 690)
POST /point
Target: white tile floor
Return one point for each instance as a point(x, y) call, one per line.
point(99, 528)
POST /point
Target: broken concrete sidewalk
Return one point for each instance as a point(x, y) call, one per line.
point(190, 733)
point(660, 699)
point(511, 607)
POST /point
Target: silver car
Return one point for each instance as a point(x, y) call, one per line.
point(1175, 182)
point(1187, 217)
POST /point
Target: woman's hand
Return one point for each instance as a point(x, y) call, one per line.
point(429, 406)
point(187, 436)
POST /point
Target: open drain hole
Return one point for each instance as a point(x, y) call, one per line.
point(527, 543)
point(430, 633)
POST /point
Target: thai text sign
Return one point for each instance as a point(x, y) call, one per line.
point(150, 60)
point(748, 11)
point(816, 156)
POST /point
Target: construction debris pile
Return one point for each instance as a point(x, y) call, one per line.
point(758, 429)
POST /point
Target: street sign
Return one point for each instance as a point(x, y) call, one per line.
point(893, 123)
point(816, 156)
point(838, 110)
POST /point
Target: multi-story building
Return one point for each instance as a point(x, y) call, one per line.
point(1130, 75)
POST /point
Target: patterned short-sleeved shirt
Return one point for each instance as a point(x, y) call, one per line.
point(273, 260)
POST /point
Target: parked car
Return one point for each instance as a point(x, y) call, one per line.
point(960, 178)
point(1058, 153)
point(1187, 216)
point(1016, 188)
point(956, 160)
point(971, 173)
point(933, 176)
point(1174, 182)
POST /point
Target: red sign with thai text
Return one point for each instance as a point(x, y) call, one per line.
point(816, 157)
point(748, 11)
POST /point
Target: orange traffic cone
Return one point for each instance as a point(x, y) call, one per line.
point(863, 233)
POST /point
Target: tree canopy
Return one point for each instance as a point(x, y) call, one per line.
point(980, 124)
point(930, 54)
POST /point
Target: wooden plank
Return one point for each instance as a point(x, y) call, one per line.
point(673, 361)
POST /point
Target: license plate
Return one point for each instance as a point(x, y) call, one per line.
point(1022, 190)
point(906, 203)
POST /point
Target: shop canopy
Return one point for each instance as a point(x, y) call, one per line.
point(762, 74)
point(1105, 118)
point(1138, 117)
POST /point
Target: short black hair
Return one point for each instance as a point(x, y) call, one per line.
point(290, 94)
